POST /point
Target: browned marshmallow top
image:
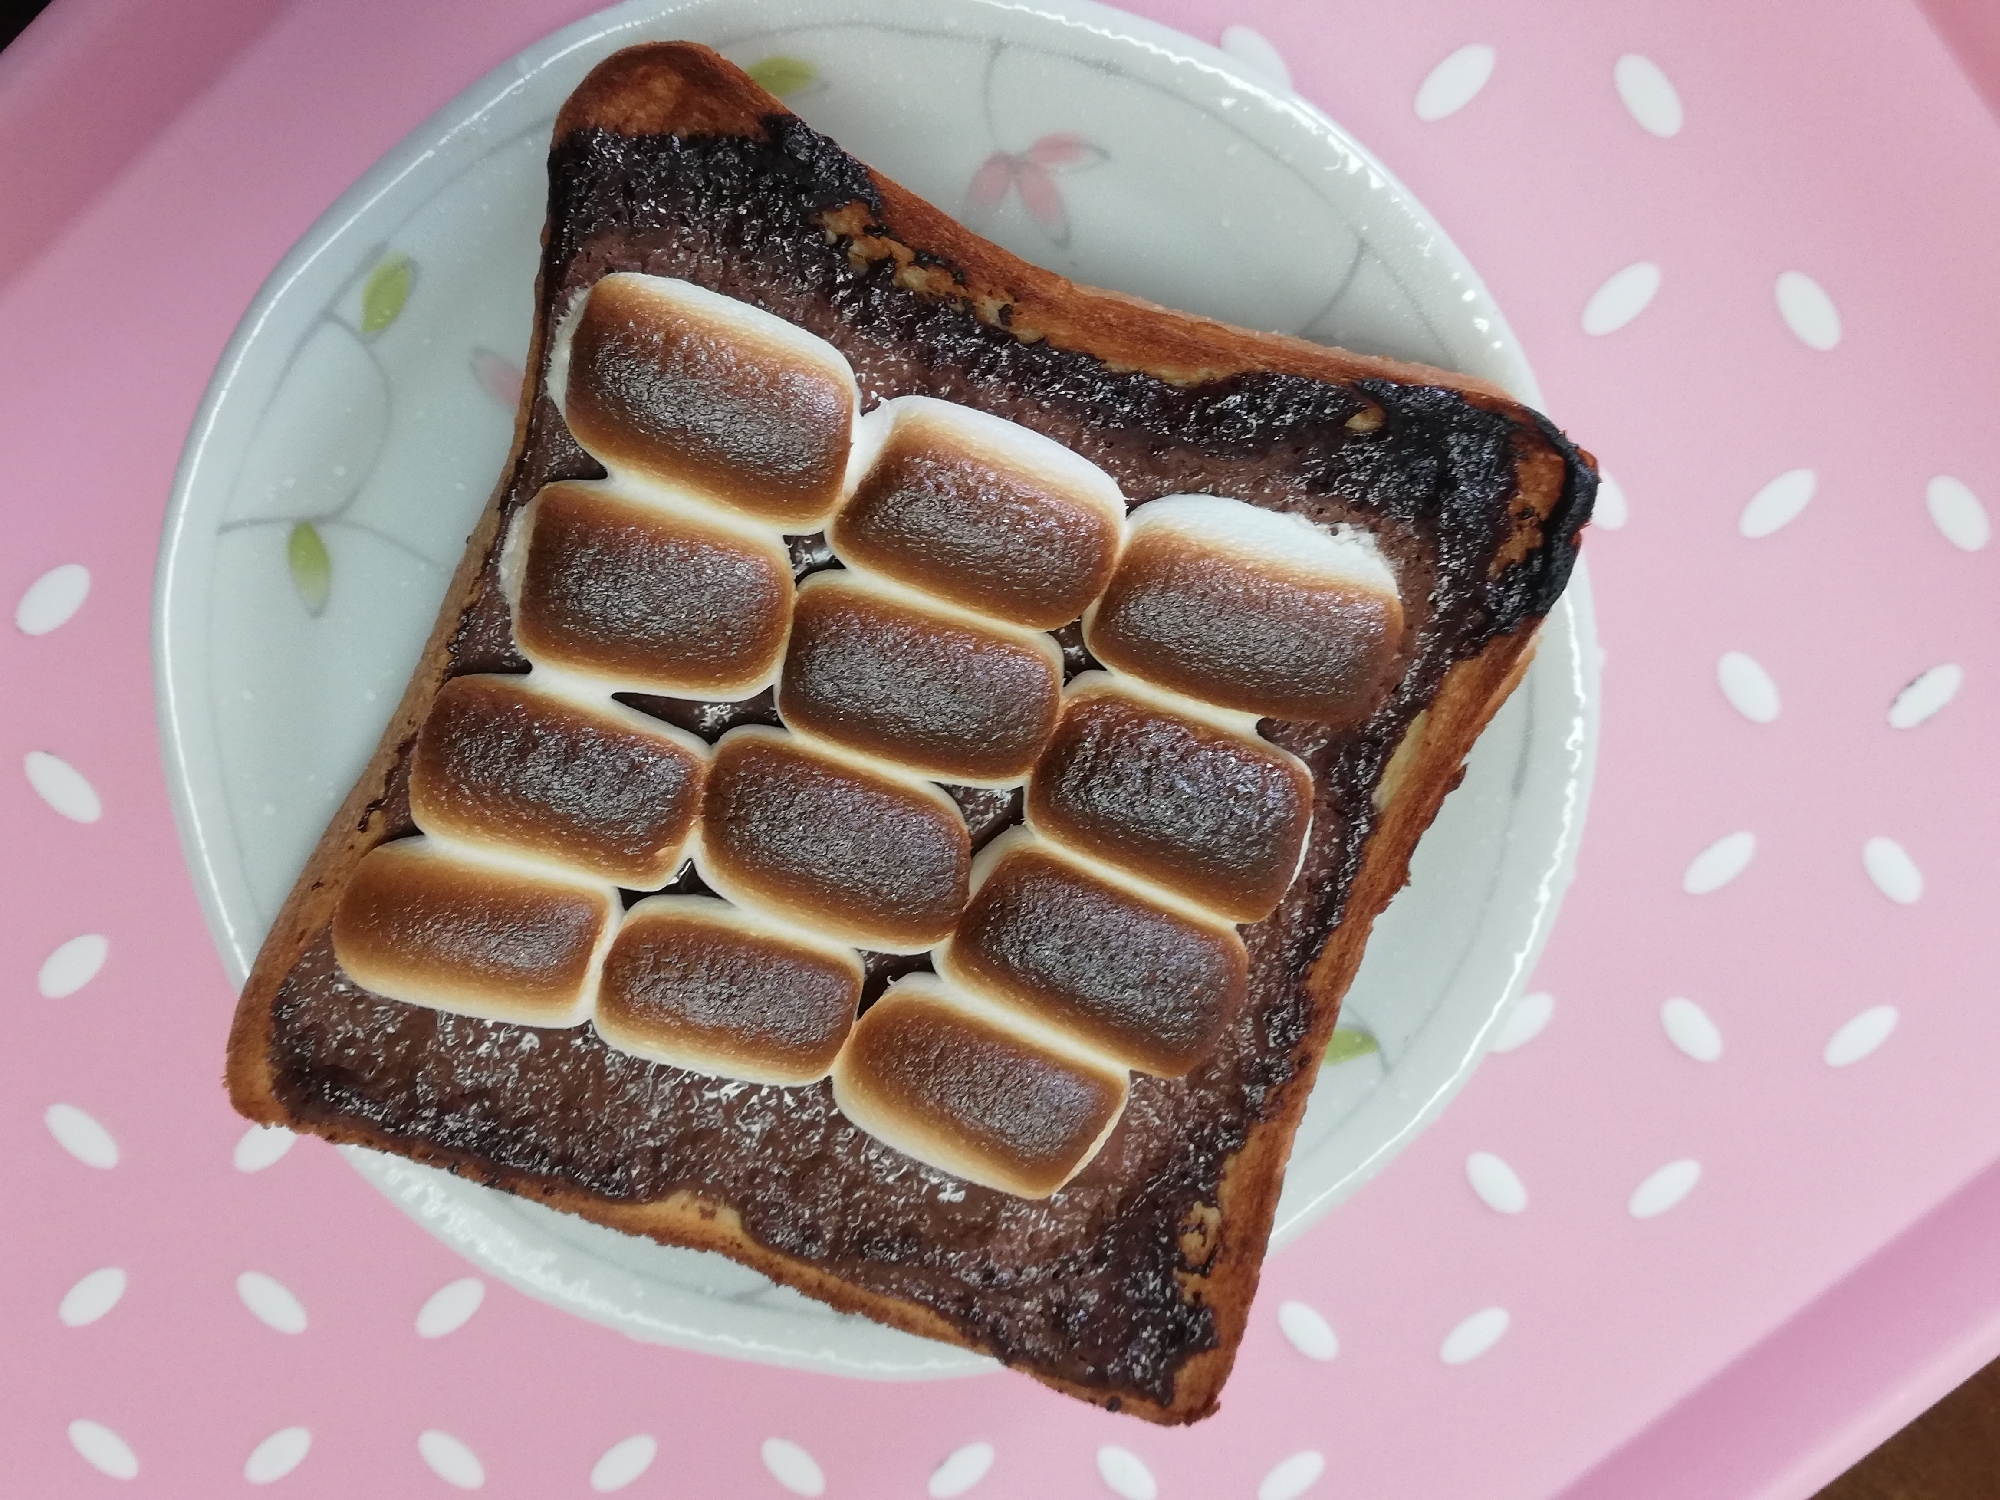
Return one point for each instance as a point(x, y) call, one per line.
point(1216, 817)
point(984, 513)
point(870, 859)
point(424, 925)
point(700, 984)
point(935, 692)
point(1266, 616)
point(966, 1092)
point(1147, 985)
point(597, 787)
point(650, 598)
point(700, 392)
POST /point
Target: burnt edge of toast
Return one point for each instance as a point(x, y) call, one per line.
point(1143, 1306)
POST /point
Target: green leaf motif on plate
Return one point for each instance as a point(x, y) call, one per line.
point(312, 566)
point(387, 290)
point(783, 75)
point(1349, 1043)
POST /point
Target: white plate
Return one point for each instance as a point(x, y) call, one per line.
point(361, 414)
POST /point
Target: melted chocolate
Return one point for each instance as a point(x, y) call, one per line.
point(1084, 1285)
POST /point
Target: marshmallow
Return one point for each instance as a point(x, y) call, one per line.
point(982, 512)
point(430, 925)
point(938, 693)
point(829, 844)
point(699, 984)
point(1215, 817)
point(1141, 981)
point(1251, 610)
point(957, 1086)
point(648, 598)
point(595, 786)
point(686, 388)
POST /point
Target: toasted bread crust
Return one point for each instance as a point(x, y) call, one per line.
point(686, 90)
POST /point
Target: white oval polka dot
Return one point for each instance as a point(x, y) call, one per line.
point(1254, 49)
point(1308, 1332)
point(1778, 503)
point(623, 1462)
point(103, 1449)
point(1808, 311)
point(1610, 510)
point(1293, 1477)
point(1861, 1036)
point(1958, 513)
point(1649, 94)
point(1664, 1188)
point(279, 1454)
point(92, 1297)
point(1925, 696)
point(1895, 874)
point(1748, 687)
point(62, 786)
point(451, 1460)
point(262, 1145)
point(793, 1467)
point(960, 1472)
point(1622, 298)
point(1525, 1021)
point(52, 599)
point(72, 966)
point(1689, 1028)
point(1453, 83)
point(1718, 864)
point(1498, 1185)
point(1125, 1474)
point(1474, 1336)
point(271, 1302)
point(447, 1308)
point(81, 1136)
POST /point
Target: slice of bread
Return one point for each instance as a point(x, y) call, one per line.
point(1130, 1286)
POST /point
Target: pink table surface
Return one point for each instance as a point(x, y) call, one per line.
point(1829, 1273)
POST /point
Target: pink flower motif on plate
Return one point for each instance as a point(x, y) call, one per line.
point(1032, 174)
point(498, 376)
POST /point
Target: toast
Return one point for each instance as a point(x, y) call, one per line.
point(1128, 1283)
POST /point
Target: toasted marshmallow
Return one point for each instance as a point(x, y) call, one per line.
point(939, 693)
point(666, 380)
point(1252, 610)
point(958, 1086)
point(645, 598)
point(1216, 817)
point(430, 925)
point(699, 984)
point(597, 787)
point(982, 512)
point(1143, 982)
point(830, 844)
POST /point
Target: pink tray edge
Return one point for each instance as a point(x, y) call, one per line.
point(1865, 1358)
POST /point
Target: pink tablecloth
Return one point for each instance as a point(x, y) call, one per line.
point(157, 164)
